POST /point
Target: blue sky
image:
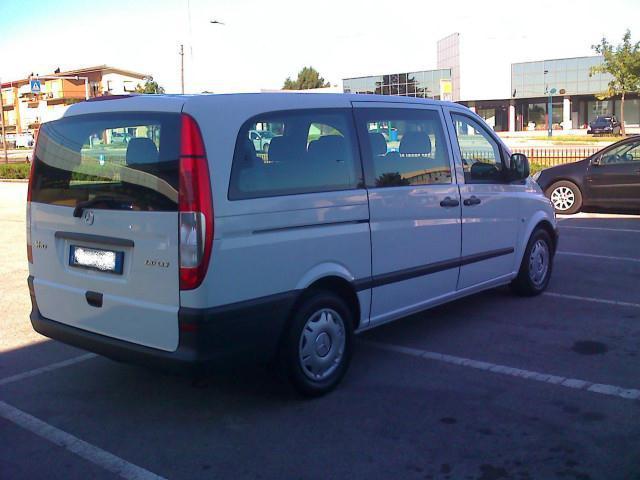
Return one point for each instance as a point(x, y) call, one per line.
point(264, 42)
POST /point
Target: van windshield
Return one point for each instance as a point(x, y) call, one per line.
point(116, 161)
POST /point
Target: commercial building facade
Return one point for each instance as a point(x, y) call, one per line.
point(423, 84)
point(577, 93)
point(576, 101)
point(24, 111)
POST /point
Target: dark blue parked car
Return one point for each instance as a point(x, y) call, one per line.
point(608, 180)
point(605, 124)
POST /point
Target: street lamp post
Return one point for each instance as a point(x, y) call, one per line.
point(549, 92)
point(181, 53)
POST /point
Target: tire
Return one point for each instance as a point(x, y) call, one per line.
point(320, 331)
point(537, 265)
point(265, 148)
point(565, 197)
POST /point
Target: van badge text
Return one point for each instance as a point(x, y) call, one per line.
point(39, 244)
point(156, 263)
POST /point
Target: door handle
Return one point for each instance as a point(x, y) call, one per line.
point(473, 200)
point(94, 299)
point(449, 202)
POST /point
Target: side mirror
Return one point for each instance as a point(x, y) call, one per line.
point(518, 166)
point(596, 162)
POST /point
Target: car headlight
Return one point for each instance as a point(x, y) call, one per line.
point(536, 176)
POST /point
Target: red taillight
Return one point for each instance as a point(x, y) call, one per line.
point(195, 205)
point(29, 188)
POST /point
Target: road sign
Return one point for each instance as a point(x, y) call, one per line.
point(35, 85)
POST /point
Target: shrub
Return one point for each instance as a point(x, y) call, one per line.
point(15, 170)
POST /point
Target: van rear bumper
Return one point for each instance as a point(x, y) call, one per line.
point(244, 332)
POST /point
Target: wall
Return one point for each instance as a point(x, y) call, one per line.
point(117, 84)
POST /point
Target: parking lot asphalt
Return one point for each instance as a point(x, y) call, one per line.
point(489, 387)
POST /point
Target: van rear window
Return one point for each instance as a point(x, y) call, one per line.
point(116, 161)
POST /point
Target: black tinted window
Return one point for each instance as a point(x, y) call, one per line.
point(285, 153)
point(625, 153)
point(404, 147)
point(115, 161)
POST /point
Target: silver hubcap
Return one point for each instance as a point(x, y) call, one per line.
point(563, 198)
point(322, 344)
point(539, 263)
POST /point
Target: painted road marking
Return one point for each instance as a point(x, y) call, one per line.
point(604, 257)
point(89, 452)
point(626, 230)
point(591, 299)
point(48, 368)
point(564, 216)
point(604, 389)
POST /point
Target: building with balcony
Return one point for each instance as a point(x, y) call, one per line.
point(24, 111)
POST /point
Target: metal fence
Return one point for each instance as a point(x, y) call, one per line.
point(548, 157)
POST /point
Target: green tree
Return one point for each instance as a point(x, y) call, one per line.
point(150, 86)
point(308, 78)
point(622, 62)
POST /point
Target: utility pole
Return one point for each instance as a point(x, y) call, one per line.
point(550, 114)
point(4, 136)
point(182, 67)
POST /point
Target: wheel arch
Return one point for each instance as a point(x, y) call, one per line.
point(543, 220)
point(546, 225)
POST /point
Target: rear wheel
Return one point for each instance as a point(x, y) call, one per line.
point(316, 350)
point(537, 263)
point(565, 197)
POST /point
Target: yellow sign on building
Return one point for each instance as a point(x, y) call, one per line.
point(446, 89)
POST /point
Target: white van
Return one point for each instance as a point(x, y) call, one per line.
point(185, 246)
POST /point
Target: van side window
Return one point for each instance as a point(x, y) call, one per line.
point(285, 153)
point(479, 151)
point(404, 147)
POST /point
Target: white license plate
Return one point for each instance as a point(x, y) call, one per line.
point(96, 259)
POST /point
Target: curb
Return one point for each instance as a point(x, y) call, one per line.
point(14, 180)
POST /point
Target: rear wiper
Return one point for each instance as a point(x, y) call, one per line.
point(109, 202)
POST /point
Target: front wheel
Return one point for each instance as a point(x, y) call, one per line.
point(565, 197)
point(537, 263)
point(317, 348)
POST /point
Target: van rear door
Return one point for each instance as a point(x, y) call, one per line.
point(103, 207)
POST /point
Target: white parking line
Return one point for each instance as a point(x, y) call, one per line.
point(591, 299)
point(563, 216)
point(603, 257)
point(48, 368)
point(604, 389)
point(626, 230)
point(89, 452)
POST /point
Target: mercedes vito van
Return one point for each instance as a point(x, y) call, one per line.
point(186, 246)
